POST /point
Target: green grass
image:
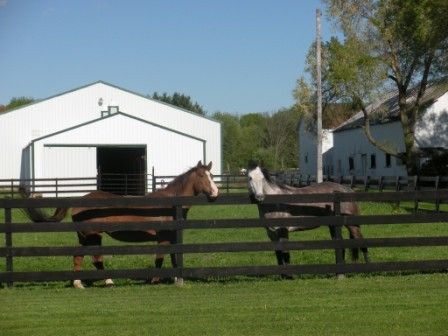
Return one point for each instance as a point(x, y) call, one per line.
point(393, 304)
point(380, 305)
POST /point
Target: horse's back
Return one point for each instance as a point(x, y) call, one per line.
point(347, 208)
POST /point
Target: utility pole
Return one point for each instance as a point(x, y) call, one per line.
point(319, 176)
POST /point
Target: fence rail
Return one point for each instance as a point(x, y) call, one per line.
point(10, 252)
point(135, 184)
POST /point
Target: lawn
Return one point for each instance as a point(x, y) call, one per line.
point(406, 304)
point(374, 305)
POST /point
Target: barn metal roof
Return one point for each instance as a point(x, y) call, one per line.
point(386, 109)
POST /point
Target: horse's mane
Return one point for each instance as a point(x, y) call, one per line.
point(267, 175)
point(178, 183)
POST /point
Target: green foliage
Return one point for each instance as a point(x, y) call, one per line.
point(271, 139)
point(18, 102)
point(437, 165)
point(179, 100)
point(391, 43)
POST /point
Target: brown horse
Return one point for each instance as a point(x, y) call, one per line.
point(195, 181)
point(260, 183)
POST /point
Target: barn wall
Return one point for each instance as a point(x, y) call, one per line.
point(19, 127)
point(353, 143)
point(432, 128)
point(61, 154)
point(308, 151)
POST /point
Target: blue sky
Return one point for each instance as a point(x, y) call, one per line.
point(230, 56)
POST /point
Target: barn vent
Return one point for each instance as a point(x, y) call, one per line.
point(110, 110)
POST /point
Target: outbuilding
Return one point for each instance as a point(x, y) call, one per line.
point(347, 150)
point(101, 129)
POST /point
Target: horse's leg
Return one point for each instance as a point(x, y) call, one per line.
point(77, 263)
point(98, 262)
point(163, 240)
point(273, 236)
point(333, 236)
point(355, 233)
point(174, 261)
point(283, 236)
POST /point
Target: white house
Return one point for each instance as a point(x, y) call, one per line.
point(101, 128)
point(308, 150)
point(352, 154)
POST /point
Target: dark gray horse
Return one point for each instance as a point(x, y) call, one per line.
point(260, 183)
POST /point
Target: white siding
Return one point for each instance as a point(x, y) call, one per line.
point(169, 152)
point(18, 128)
point(353, 143)
point(308, 151)
point(57, 162)
point(432, 128)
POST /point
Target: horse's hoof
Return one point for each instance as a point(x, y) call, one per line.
point(340, 276)
point(155, 281)
point(78, 284)
point(109, 283)
point(179, 281)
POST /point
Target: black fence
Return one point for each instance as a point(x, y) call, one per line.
point(10, 252)
point(138, 184)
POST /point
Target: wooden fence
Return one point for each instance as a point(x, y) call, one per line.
point(10, 252)
point(133, 184)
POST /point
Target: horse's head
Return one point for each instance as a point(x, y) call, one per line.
point(203, 182)
point(255, 182)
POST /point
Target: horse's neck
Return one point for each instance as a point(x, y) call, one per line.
point(272, 189)
point(180, 189)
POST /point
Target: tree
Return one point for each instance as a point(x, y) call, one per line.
point(231, 137)
point(180, 100)
point(400, 44)
point(281, 137)
point(16, 102)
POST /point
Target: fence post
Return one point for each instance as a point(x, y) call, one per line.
point(8, 244)
point(366, 182)
point(436, 185)
point(153, 180)
point(380, 183)
point(179, 240)
point(415, 187)
point(337, 230)
point(56, 186)
point(125, 184)
point(12, 188)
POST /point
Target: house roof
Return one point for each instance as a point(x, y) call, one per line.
point(386, 109)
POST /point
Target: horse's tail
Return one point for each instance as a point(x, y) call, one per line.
point(38, 215)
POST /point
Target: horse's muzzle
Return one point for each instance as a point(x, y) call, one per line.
point(259, 197)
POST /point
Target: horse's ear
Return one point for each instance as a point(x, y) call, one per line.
point(209, 166)
point(252, 164)
point(199, 165)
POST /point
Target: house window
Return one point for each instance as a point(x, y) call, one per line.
point(306, 158)
point(388, 160)
point(351, 163)
point(372, 161)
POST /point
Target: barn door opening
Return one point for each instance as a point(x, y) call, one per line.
point(122, 170)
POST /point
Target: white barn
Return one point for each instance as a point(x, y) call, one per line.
point(352, 154)
point(101, 128)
